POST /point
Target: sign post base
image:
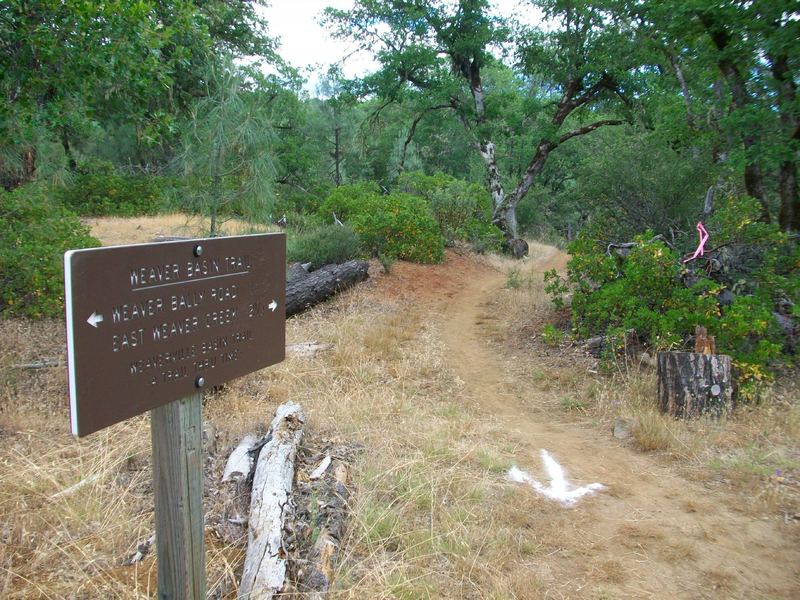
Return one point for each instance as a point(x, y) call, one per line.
point(176, 430)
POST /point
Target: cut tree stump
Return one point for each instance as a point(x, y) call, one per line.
point(691, 384)
point(323, 283)
point(270, 506)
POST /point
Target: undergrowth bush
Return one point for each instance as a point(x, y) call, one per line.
point(328, 244)
point(463, 210)
point(752, 270)
point(109, 194)
point(397, 226)
point(349, 200)
point(35, 231)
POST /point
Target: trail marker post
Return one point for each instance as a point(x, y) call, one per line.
point(149, 327)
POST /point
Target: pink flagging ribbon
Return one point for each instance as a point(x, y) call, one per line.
point(701, 246)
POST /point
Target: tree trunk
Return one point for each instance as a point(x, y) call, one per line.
point(72, 164)
point(789, 215)
point(264, 572)
point(741, 100)
point(319, 285)
point(691, 384)
point(337, 157)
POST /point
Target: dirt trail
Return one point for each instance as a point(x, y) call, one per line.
point(665, 536)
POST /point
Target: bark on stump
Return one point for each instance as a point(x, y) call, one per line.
point(691, 384)
point(319, 285)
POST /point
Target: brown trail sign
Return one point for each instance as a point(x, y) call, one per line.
point(149, 327)
point(152, 323)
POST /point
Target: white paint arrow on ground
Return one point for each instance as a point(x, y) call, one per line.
point(559, 489)
point(94, 319)
point(272, 306)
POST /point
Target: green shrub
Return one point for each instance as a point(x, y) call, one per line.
point(107, 194)
point(484, 237)
point(551, 336)
point(328, 244)
point(35, 231)
point(349, 200)
point(651, 291)
point(399, 226)
point(301, 223)
point(289, 199)
point(462, 209)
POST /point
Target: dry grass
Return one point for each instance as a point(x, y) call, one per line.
point(432, 516)
point(743, 452)
point(113, 231)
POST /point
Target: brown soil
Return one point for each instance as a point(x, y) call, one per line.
point(652, 533)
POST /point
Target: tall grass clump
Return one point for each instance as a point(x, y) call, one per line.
point(327, 244)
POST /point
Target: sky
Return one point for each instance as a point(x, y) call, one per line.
point(305, 42)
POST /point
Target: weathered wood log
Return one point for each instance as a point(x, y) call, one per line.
point(240, 462)
point(691, 384)
point(270, 506)
point(307, 349)
point(322, 284)
point(39, 364)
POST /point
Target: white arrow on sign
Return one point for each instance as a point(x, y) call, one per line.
point(94, 319)
point(272, 305)
point(560, 489)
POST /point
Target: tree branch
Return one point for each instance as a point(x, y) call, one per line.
point(589, 128)
point(413, 129)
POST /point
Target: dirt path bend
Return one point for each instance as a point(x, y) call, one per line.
point(651, 533)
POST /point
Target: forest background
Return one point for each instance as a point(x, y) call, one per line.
point(610, 122)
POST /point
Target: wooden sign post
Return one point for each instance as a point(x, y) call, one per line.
point(148, 328)
point(176, 430)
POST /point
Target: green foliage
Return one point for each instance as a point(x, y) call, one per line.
point(551, 336)
point(327, 244)
point(462, 209)
point(35, 231)
point(110, 194)
point(484, 237)
point(227, 149)
point(556, 287)
point(398, 226)
point(349, 200)
point(651, 291)
point(458, 206)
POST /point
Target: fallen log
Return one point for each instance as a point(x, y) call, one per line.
point(240, 463)
point(320, 285)
point(691, 384)
point(39, 364)
point(270, 506)
point(297, 270)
